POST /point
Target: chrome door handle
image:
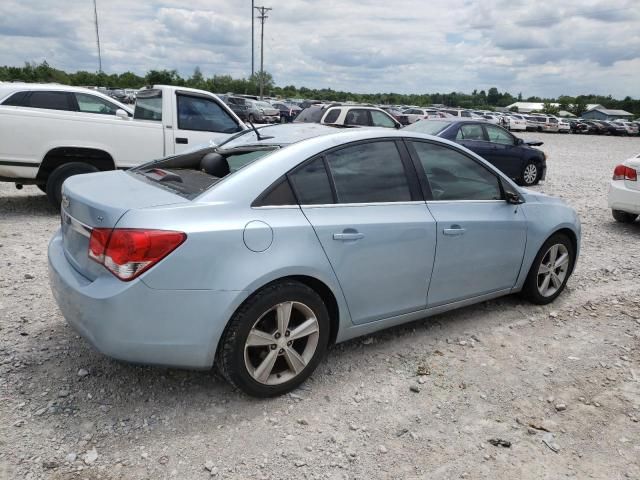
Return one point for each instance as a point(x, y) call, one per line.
point(454, 230)
point(348, 236)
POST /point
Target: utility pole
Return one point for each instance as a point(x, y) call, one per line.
point(95, 16)
point(263, 16)
point(252, 32)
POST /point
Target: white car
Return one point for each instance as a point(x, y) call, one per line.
point(358, 116)
point(624, 191)
point(631, 128)
point(49, 132)
point(515, 122)
point(564, 126)
point(413, 115)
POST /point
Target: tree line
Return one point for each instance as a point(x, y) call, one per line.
point(489, 100)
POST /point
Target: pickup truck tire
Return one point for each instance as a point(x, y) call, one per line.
point(60, 174)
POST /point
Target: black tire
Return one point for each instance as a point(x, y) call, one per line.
point(525, 177)
point(530, 290)
point(231, 350)
point(60, 174)
point(624, 217)
point(283, 119)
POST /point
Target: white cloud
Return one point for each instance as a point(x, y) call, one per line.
point(408, 46)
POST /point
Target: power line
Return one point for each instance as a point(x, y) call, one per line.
point(263, 16)
point(95, 16)
point(252, 34)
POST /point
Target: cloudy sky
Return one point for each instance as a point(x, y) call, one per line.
point(536, 47)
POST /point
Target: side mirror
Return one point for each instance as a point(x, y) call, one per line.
point(398, 125)
point(513, 198)
point(122, 114)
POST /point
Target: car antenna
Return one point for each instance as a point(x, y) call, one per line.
point(260, 137)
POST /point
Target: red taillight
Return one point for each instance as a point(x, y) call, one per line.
point(622, 172)
point(127, 252)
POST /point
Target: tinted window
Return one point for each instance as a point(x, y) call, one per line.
point(465, 114)
point(93, 104)
point(50, 100)
point(204, 115)
point(470, 132)
point(16, 100)
point(357, 117)
point(369, 172)
point(279, 194)
point(379, 119)
point(454, 176)
point(310, 115)
point(498, 135)
point(332, 116)
point(311, 183)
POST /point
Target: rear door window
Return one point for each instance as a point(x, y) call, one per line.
point(51, 100)
point(369, 172)
point(358, 117)
point(470, 132)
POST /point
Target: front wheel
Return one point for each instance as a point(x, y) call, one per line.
point(275, 340)
point(60, 174)
point(530, 174)
point(623, 217)
point(550, 270)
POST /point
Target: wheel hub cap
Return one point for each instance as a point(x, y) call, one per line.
point(281, 343)
point(553, 270)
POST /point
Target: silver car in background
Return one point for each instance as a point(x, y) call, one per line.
point(259, 253)
point(262, 112)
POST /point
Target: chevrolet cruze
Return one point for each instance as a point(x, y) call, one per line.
point(257, 254)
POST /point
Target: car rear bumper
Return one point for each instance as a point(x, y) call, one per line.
point(623, 198)
point(132, 322)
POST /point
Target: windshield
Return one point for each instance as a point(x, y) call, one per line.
point(431, 127)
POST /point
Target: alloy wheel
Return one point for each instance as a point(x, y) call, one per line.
point(281, 343)
point(530, 174)
point(553, 270)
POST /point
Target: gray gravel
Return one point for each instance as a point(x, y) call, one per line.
point(559, 384)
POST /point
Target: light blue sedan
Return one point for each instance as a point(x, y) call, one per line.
point(258, 254)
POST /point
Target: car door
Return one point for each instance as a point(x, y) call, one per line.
point(503, 153)
point(364, 203)
point(480, 237)
point(200, 120)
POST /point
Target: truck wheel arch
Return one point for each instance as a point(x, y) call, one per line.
point(60, 155)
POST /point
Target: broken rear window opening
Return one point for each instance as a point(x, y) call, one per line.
point(191, 174)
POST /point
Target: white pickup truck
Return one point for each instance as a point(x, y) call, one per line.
point(51, 132)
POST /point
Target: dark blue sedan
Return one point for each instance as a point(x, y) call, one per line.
point(513, 156)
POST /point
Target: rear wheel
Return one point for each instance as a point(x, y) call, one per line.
point(275, 340)
point(60, 174)
point(624, 217)
point(550, 270)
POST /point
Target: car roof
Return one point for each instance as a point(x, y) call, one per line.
point(7, 89)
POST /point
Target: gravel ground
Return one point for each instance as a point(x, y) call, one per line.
point(560, 384)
